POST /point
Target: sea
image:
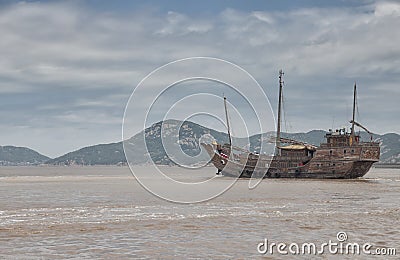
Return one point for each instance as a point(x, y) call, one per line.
point(103, 212)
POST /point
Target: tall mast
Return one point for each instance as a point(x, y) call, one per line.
point(227, 123)
point(278, 130)
point(354, 110)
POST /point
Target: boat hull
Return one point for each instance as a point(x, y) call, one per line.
point(348, 168)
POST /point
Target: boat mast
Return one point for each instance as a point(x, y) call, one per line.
point(278, 130)
point(354, 111)
point(227, 123)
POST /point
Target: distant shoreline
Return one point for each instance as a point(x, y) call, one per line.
point(387, 166)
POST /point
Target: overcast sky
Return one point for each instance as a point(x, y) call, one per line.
point(67, 69)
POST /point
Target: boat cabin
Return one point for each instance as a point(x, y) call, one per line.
point(340, 138)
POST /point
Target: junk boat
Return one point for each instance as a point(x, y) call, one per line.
point(342, 156)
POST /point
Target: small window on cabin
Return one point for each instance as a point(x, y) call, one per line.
point(344, 151)
point(352, 151)
point(330, 152)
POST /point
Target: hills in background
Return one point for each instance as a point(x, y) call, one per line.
point(188, 139)
point(113, 154)
point(11, 155)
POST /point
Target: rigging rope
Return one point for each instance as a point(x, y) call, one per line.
point(286, 121)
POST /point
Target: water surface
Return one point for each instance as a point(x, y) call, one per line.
point(102, 212)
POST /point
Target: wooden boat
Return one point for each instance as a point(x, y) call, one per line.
point(342, 156)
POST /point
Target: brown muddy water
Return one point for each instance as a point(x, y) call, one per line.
point(102, 212)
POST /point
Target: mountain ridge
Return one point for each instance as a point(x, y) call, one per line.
point(15, 155)
point(188, 140)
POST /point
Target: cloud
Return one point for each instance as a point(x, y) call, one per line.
point(178, 24)
point(387, 9)
point(68, 68)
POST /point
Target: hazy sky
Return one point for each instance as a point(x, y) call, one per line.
point(67, 68)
